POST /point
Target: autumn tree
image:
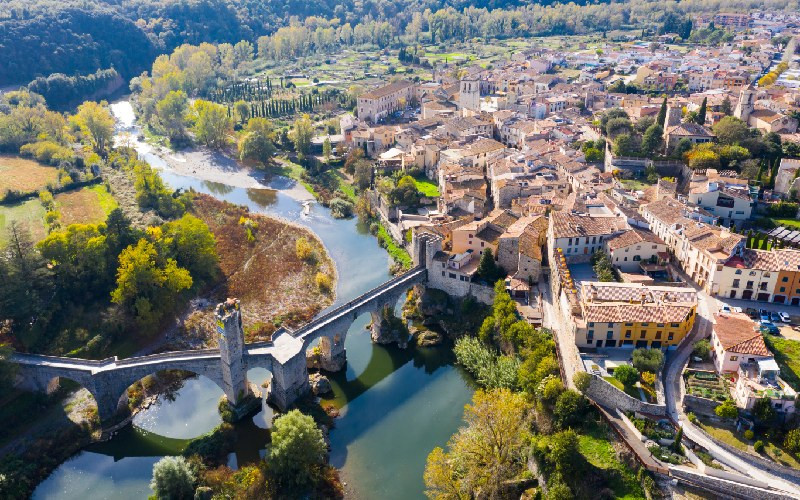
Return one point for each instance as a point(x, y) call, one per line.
point(489, 450)
point(298, 449)
point(96, 123)
point(257, 142)
point(301, 134)
point(172, 112)
point(212, 124)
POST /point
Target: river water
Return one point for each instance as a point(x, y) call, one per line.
point(395, 405)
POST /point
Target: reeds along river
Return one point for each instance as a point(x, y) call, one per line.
point(396, 405)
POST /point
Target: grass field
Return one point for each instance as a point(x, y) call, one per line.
point(787, 223)
point(30, 214)
point(427, 187)
point(89, 205)
point(787, 354)
point(20, 174)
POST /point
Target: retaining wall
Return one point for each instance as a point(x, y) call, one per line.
point(724, 487)
point(608, 395)
point(700, 405)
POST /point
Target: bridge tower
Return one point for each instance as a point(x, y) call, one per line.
point(230, 337)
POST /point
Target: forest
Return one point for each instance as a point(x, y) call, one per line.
point(40, 37)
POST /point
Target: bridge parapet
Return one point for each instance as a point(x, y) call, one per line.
point(168, 355)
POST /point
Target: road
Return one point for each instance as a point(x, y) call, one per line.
point(676, 361)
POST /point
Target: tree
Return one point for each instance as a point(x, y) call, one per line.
point(172, 111)
point(302, 132)
point(726, 108)
point(647, 360)
point(617, 126)
point(173, 479)
point(362, 174)
point(703, 159)
point(582, 380)
point(147, 282)
point(652, 139)
point(731, 130)
point(298, 449)
point(405, 194)
point(626, 374)
point(242, 110)
point(488, 451)
point(662, 114)
point(701, 114)
point(625, 145)
point(190, 242)
point(212, 124)
point(326, 149)
point(569, 409)
point(7, 370)
point(727, 410)
point(257, 142)
point(763, 410)
point(96, 123)
point(702, 349)
point(792, 440)
point(488, 268)
point(676, 446)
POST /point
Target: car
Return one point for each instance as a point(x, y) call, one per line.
point(737, 309)
point(774, 317)
point(769, 328)
point(785, 317)
point(726, 309)
point(764, 315)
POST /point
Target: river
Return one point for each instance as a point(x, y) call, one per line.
point(395, 405)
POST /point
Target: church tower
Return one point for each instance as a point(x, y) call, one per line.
point(469, 94)
point(747, 99)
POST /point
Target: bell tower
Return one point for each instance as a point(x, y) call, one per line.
point(747, 100)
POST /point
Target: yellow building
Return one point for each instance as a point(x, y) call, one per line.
point(634, 315)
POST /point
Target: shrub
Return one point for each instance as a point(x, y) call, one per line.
point(649, 378)
point(489, 369)
point(692, 417)
point(324, 282)
point(749, 435)
point(727, 410)
point(582, 381)
point(304, 249)
point(173, 478)
point(758, 446)
point(792, 440)
point(298, 448)
point(341, 208)
point(626, 374)
point(702, 349)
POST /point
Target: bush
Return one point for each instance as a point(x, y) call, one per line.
point(324, 282)
point(626, 374)
point(173, 479)
point(649, 378)
point(727, 410)
point(341, 208)
point(702, 349)
point(692, 417)
point(792, 440)
point(749, 435)
point(582, 381)
point(304, 249)
point(647, 360)
point(758, 446)
point(489, 369)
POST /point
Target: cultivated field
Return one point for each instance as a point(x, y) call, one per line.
point(20, 174)
point(89, 205)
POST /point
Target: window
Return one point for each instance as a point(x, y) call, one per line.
point(628, 324)
point(609, 335)
point(636, 258)
point(670, 336)
point(736, 283)
point(452, 275)
point(470, 236)
point(591, 323)
point(610, 325)
point(734, 358)
point(660, 324)
point(442, 273)
point(766, 275)
point(658, 335)
point(785, 279)
point(674, 325)
point(590, 335)
point(645, 324)
point(749, 285)
point(738, 271)
point(641, 336)
point(627, 334)
point(783, 289)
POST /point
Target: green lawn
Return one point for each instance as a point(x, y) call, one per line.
point(29, 214)
point(630, 391)
point(427, 187)
point(787, 223)
point(596, 447)
point(787, 354)
point(398, 253)
point(104, 198)
point(634, 184)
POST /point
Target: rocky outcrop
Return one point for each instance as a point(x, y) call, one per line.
point(319, 384)
point(424, 337)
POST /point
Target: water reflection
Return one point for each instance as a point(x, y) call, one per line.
point(262, 197)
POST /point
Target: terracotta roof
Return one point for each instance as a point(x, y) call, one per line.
point(736, 333)
point(635, 313)
point(689, 129)
point(633, 237)
point(386, 90)
point(569, 225)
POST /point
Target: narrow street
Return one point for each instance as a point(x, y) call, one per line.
point(676, 361)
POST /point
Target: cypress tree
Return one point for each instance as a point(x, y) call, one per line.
point(701, 115)
point(662, 113)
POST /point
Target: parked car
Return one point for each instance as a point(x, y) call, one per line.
point(726, 309)
point(775, 317)
point(737, 309)
point(752, 313)
point(764, 315)
point(769, 328)
point(785, 317)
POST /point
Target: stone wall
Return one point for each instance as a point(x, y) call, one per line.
point(606, 394)
point(724, 487)
point(700, 406)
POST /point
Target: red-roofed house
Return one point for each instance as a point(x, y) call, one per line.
point(735, 340)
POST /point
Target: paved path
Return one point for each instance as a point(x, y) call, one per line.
point(676, 362)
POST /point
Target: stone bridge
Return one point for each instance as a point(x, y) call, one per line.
point(285, 356)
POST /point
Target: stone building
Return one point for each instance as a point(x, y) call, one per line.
point(379, 103)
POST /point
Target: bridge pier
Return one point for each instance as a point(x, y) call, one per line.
point(230, 337)
point(386, 327)
point(289, 381)
point(333, 355)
